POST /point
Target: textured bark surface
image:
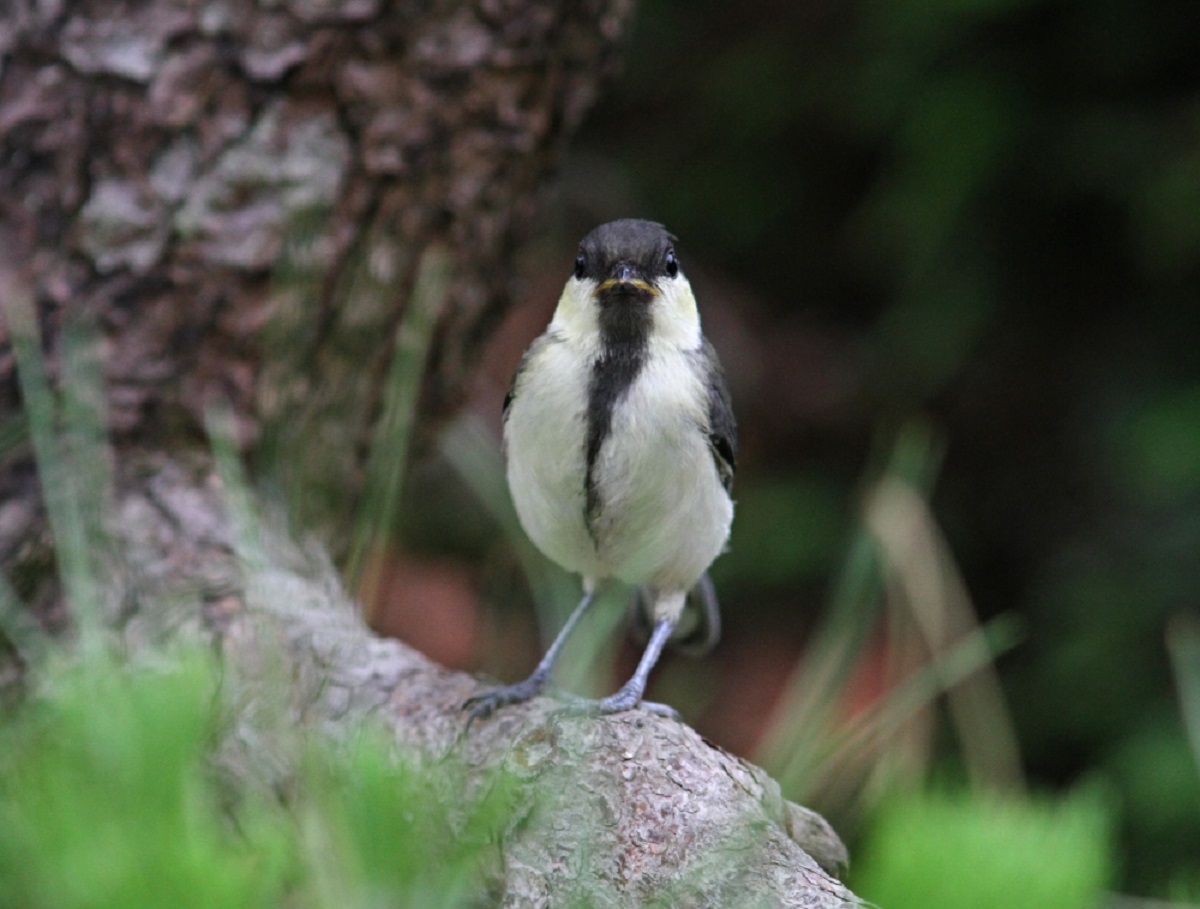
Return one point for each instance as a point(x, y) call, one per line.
point(627, 810)
point(236, 195)
point(231, 199)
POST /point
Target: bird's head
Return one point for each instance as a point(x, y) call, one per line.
point(627, 285)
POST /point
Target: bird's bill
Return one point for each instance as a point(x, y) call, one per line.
point(625, 285)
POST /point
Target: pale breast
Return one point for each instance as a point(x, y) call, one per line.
point(544, 435)
point(664, 515)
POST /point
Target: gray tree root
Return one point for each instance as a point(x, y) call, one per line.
point(625, 810)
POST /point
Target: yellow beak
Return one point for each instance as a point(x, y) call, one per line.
point(644, 286)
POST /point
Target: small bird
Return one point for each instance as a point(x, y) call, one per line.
point(621, 448)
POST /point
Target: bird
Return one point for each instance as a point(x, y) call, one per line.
point(621, 447)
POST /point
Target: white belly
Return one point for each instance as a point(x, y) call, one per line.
point(664, 515)
point(544, 441)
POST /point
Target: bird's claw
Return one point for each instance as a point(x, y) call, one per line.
point(483, 705)
point(620, 702)
point(663, 710)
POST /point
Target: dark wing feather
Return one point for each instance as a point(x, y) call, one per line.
point(512, 385)
point(722, 428)
point(538, 343)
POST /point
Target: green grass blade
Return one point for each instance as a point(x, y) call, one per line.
point(1183, 645)
point(793, 745)
point(391, 441)
point(21, 631)
point(67, 460)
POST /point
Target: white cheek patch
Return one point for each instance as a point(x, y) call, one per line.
point(577, 318)
point(676, 318)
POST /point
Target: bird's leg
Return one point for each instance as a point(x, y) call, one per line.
point(630, 694)
point(699, 627)
point(481, 705)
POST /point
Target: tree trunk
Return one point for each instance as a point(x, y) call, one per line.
point(225, 205)
point(236, 194)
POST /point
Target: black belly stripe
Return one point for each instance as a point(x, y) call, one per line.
point(624, 334)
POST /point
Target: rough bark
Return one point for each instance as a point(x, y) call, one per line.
point(236, 194)
point(233, 198)
point(626, 810)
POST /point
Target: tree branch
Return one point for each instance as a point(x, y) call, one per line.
point(615, 810)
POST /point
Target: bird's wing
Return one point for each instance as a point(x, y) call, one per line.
point(722, 428)
point(538, 343)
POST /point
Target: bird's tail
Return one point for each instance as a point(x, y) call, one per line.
point(699, 626)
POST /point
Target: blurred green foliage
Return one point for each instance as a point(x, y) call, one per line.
point(122, 806)
point(813, 511)
point(113, 807)
point(946, 850)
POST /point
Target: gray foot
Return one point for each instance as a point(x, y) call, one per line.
point(484, 705)
point(627, 700)
point(664, 710)
point(620, 702)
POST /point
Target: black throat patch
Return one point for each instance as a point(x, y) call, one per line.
point(625, 323)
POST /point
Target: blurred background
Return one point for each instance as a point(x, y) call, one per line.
point(949, 253)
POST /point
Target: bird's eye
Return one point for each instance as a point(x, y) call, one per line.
point(580, 266)
point(672, 263)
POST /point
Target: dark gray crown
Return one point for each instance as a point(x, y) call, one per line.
point(645, 245)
